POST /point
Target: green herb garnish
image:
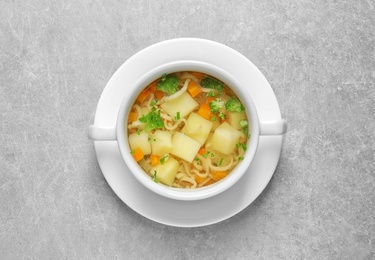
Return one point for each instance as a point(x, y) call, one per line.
point(177, 117)
point(209, 82)
point(221, 161)
point(168, 84)
point(211, 94)
point(152, 120)
point(162, 159)
point(234, 105)
point(154, 177)
point(222, 116)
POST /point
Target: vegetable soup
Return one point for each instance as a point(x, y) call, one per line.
point(187, 130)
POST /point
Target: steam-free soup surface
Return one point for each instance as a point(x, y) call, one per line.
point(187, 130)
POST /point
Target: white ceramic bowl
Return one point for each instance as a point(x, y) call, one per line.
point(120, 133)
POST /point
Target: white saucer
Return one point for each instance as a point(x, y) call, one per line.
point(188, 213)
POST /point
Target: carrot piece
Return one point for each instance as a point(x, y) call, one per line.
point(199, 179)
point(133, 116)
point(154, 159)
point(137, 154)
point(202, 151)
point(144, 94)
point(210, 99)
point(208, 183)
point(159, 94)
point(218, 175)
point(193, 88)
point(205, 111)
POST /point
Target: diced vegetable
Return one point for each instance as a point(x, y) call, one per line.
point(209, 82)
point(193, 88)
point(218, 175)
point(199, 179)
point(168, 84)
point(197, 128)
point(234, 105)
point(152, 120)
point(205, 111)
point(184, 147)
point(162, 143)
point(154, 159)
point(225, 138)
point(184, 104)
point(234, 119)
point(133, 116)
point(140, 140)
point(137, 154)
point(202, 151)
point(166, 173)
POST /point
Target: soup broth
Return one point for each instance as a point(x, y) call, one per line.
point(187, 130)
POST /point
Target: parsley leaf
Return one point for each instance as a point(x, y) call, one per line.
point(154, 177)
point(168, 84)
point(152, 120)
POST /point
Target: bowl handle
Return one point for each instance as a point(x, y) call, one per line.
point(102, 133)
point(275, 127)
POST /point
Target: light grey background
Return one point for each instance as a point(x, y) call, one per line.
point(55, 59)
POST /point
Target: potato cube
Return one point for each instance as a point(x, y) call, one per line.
point(166, 173)
point(140, 141)
point(225, 138)
point(184, 147)
point(184, 104)
point(197, 128)
point(161, 142)
point(234, 119)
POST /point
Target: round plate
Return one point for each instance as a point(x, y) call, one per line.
point(188, 213)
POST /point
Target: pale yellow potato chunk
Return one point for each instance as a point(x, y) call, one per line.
point(234, 119)
point(197, 128)
point(184, 104)
point(161, 142)
point(140, 141)
point(225, 138)
point(166, 173)
point(184, 147)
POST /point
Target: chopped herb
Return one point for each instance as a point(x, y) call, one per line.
point(153, 121)
point(138, 131)
point(244, 147)
point(154, 102)
point(162, 159)
point(243, 123)
point(240, 158)
point(216, 105)
point(234, 105)
point(154, 177)
point(177, 117)
point(214, 118)
point(132, 151)
point(168, 84)
point(222, 116)
point(211, 94)
point(221, 161)
point(208, 153)
point(209, 82)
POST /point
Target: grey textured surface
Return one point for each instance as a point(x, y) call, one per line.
point(55, 59)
